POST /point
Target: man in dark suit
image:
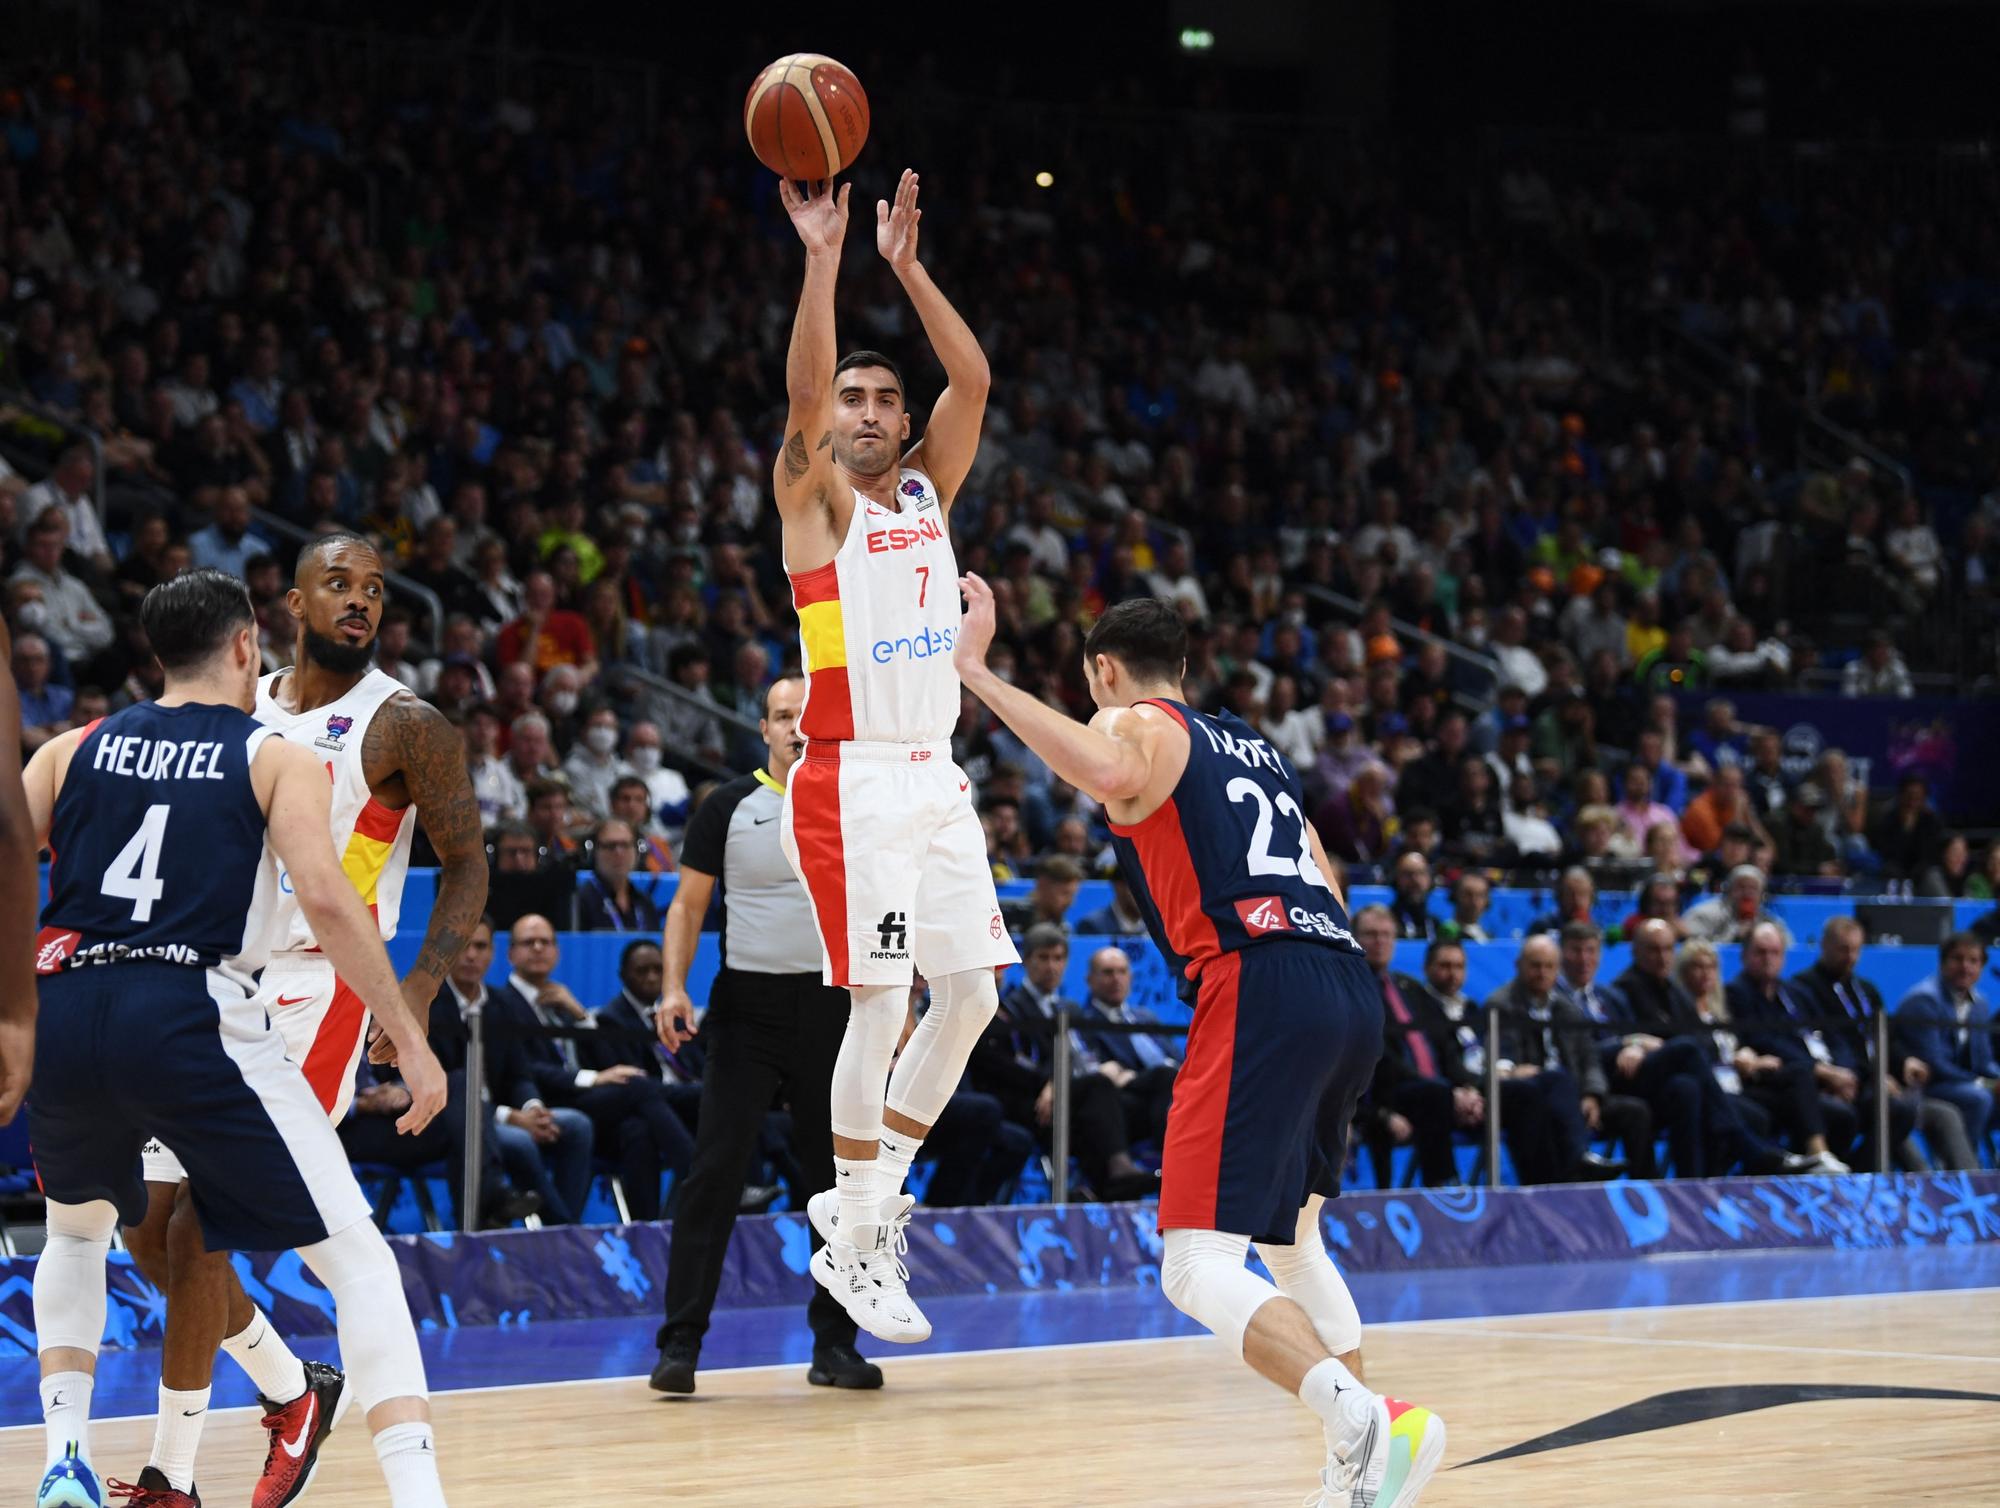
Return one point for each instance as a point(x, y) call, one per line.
point(1624, 1118)
point(1013, 1062)
point(1422, 1088)
point(627, 1107)
point(1665, 1054)
point(1941, 1037)
point(1830, 991)
point(547, 1151)
point(1548, 1063)
point(368, 1133)
point(1776, 1061)
point(1411, 909)
point(1140, 1065)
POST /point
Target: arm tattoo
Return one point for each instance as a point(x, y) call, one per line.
point(411, 739)
point(797, 462)
point(824, 441)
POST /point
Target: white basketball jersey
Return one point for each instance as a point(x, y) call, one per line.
point(372, 840)
point(877, 624)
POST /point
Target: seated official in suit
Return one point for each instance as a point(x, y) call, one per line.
point(635, 1125)
point(627, 1033)
point(1548, 1065)
point(608, 899)
point(1013, 1061)
point(1623, 1118)
point(1939, 1039)
point(1831, 991)
point(1776, 1059)
point(1140, 1065)
point(1422, 1088)
point(543, 1149)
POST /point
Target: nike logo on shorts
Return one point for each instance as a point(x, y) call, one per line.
point(284, 1000)
point(760, 821)
point(965, 785)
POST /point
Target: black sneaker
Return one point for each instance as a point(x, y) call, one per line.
point(675, 1373)
point(509, 1205)
point(842, 1367)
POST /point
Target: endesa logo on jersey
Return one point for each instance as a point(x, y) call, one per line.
point(926, 644)
point(911, 537)
point(1263, 914)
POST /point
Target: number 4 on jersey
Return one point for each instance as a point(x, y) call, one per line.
point(135, 874)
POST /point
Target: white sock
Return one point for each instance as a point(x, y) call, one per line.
point(894, 1154)
point(408, 1455)
point(177, 1434)
point(854, 1182)
point(66, 1414)
point(261, 1352)
point(1322, 1392)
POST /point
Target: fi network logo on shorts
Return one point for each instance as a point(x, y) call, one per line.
point(1263, 914)
point(895, 933)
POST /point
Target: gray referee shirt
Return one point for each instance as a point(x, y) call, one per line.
point(767, 922)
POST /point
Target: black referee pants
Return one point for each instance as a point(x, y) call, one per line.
point(765, 1034)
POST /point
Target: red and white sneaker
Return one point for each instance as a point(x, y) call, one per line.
point(298, 1429)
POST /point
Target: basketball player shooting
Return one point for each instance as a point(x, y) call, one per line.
point(1211, 835)
point(182, 830)
point(390, 759)
point(878, 821)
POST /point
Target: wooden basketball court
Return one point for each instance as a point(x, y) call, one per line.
point(1176, 1422)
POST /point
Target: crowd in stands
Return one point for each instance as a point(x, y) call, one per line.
point(535, 352)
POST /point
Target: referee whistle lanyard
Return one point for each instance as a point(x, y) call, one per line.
point(764, 777)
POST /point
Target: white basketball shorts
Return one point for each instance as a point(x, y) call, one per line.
point(884, 838)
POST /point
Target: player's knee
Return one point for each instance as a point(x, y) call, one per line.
point(90, 1222)
point(971, 996)
point(1194, 1266)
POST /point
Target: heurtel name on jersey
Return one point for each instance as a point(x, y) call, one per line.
point(1263, 915)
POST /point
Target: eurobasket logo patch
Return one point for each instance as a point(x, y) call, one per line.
point(338, 726)
point(911, 487)
point(1262, 915)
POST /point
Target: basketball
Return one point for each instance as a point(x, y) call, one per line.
point(806, 117)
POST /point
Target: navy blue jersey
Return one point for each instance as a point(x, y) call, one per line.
point(157, 845)
point(1224, 863)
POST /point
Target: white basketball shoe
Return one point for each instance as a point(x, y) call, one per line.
point(862, 1267)
point(1388, 1451)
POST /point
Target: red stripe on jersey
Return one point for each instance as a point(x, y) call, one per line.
point(815, 795)
point(378, 821)
point(1191, 1155)
point(829, 708)
point(820, 585)
point(1176, 888)
point(326, 1064)
point(1167, 707)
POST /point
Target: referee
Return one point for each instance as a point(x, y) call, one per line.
point(771, 1026)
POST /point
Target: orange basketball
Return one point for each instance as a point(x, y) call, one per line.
point(806, 117)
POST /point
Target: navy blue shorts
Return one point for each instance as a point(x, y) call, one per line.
point(128, 1051)
point(1285, 1039)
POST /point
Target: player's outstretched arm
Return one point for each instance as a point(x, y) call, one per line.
point(1110, 759)
point(292, 788)
point(412, 738)
point(951, 437)
point(18, 905)
point(803, 476)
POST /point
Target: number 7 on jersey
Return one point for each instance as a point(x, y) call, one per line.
point(923, 584)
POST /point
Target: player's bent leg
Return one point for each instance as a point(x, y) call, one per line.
point(930, 1068)
point(1380, 1453)
point(69, 1305)
point(875, 1017)
point(378, 1342)
point(1305, 1274)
